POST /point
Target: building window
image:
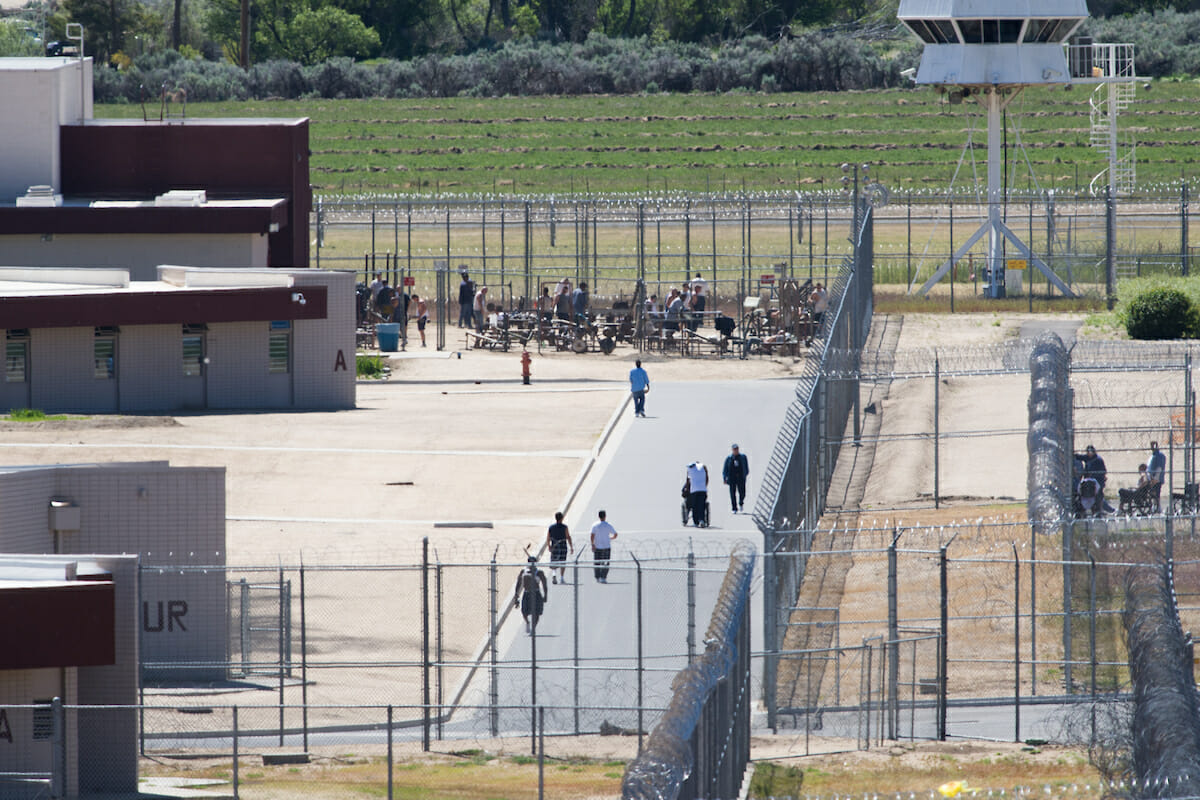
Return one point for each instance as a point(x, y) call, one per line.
point(279, 348)
point(193, 355)
point(104, 354)
point(16, 357)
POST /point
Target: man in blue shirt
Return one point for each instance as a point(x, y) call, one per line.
point(579, 301)
point(639, 384)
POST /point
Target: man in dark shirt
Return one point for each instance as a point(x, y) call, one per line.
point(737, 467)
point(466, 297)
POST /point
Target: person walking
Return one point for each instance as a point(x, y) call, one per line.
point(558, 540)
point(639, 384)
point(530, 594)
point(734, 473)
point(603, 534)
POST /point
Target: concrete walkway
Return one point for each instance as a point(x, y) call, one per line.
point(637, 480)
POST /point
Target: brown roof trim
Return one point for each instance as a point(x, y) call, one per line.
point(83, 219)
point(162, 308)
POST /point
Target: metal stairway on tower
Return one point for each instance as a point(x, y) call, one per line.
point(1113, 63)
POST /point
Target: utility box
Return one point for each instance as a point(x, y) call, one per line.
point(64, 515)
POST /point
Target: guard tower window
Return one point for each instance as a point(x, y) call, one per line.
point(16, 356)
point(990, 31)
point(1049, 30)
point(933, 31)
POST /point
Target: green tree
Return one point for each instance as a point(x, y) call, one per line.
point(109, 24)
point(15, 40)
point(297, 30)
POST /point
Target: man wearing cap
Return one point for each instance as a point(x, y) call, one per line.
point(737, 467)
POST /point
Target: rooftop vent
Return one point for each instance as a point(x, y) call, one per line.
point(39, 196)
point(186, 198)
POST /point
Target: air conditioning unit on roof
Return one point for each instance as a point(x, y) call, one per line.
point(186, 198)
point(39, 196)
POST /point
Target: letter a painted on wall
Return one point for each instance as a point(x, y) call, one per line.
point(340, 363)
point(5, 728)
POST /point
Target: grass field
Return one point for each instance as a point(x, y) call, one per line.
point(913, 138)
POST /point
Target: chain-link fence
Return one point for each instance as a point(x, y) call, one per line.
point(743, 244)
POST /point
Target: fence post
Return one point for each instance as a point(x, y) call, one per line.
point(236, 782)
point(425, 644)
point(282, 657)
point(691, 603)
point(1185, 261)
point(770, 627)
point(1016, 645)
point(1033, 659)
point(1068, 610)
point(438, 654)
point(1092, 617)
point(892, 653)
point(575, 636)
point(533, 706)
point(640, 667)
point(1110, 247)
point(943, 656)
point(390, 759)
point(937, 396)
point(58, 756)
point(541, 752)
point(303, 660)
point(494, 680)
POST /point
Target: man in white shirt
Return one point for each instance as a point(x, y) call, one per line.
point(696, 486)
point(700, 287)
point(602, 537)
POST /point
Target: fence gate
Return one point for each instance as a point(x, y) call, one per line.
point(260, 628)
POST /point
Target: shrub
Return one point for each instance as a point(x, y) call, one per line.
point(370, 366)
point(1162, 313)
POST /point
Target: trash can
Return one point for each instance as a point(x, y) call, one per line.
point(387, 334)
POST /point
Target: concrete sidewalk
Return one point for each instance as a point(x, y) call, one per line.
point(637, 481)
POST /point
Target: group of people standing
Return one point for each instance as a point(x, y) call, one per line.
point(683, 308)
point(393, 304)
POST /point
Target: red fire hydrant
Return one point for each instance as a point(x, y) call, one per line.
point(525, 362)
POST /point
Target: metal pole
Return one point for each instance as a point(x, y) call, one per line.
point(236, 782)
point(1110, 249)
point(303, 660)
point(575, 637)
point(1016, 645)
point(640, 664)
point(937, 396)
point(425, 644)
point(1092, 617)
point(691, 602)
point(770, 629)
point(494, 680)
point(282, 656)
point(541, 752)
point(1185, 254)
point(390, 756)
point(893, 652)
point(943, 660)
point(533, 706)
point(437, 621)
point(1033, 611)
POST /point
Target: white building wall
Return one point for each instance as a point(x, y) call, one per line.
point(61, 370)
point(324, 349)
point(24, 511)
point(151, 370)
point(40, 94)
point(139, 253)
point(238, 372)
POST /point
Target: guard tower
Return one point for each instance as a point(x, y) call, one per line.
point(987, 51)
